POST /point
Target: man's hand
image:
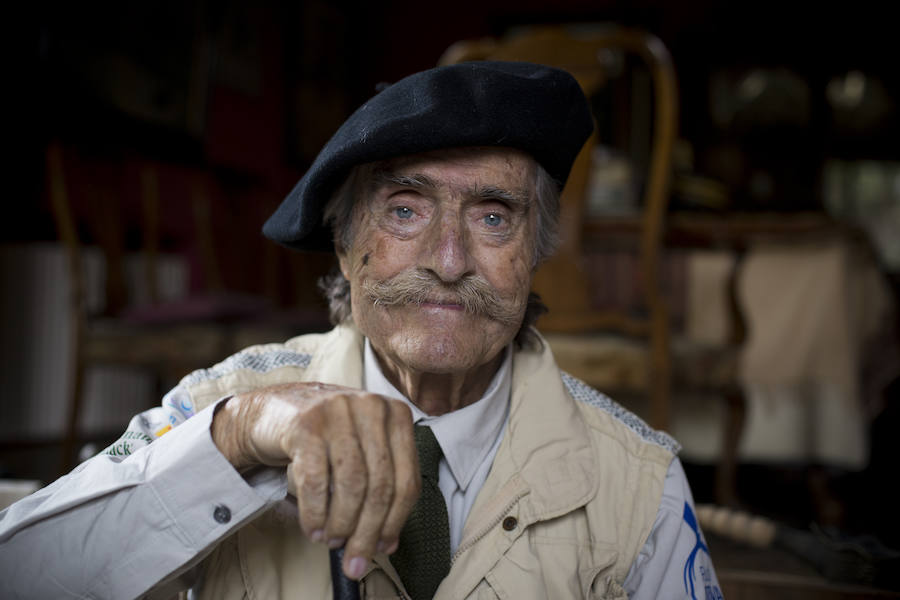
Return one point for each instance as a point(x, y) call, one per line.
point(350, 456)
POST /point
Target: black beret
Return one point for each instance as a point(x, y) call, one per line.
point(534, 108)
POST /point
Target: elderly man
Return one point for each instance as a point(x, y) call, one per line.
point(440, 197)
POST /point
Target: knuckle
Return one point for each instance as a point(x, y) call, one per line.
point(352, 485)
point(335, 407)
point(380, 460)
point(342, 520)
point(310, 518)
point(404, 409)
point(381, 492)
point(401, 412)
point(310, 423)
point(308, 420)
point(343, 402)
point(371, 408)
point(379, 404)
point(339, 527)
point(312, 486)
point(346, 450)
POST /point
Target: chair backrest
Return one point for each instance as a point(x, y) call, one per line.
point(106, 202)
point(105, 229)
point(562, 281)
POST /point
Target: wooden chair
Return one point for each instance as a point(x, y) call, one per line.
point(641, 359)
point(165, 338)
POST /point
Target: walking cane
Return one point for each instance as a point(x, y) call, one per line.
point(343, 588)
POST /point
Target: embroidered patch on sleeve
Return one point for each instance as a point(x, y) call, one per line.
point(119, 448)
point(141, 431)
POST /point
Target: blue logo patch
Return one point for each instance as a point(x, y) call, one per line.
point(711, 590)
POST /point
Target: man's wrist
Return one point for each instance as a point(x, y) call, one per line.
point(226, 433)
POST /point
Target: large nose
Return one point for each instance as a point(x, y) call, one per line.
point(449, 253)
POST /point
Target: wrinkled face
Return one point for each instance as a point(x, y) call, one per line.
point(441, 261)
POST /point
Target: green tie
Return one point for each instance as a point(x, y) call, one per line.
point(423, 557)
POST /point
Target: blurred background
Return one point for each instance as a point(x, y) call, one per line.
point(151, 141)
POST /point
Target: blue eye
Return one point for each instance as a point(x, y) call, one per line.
point(403, 212)
point(493, 220)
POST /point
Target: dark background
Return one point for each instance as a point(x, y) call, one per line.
point(248, 92)
point(252, 90)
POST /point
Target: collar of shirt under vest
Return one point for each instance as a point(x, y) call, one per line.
point(465, 435)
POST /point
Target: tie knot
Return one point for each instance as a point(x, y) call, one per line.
point(429, 452)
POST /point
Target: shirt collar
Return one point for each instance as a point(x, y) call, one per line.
point(465, 435)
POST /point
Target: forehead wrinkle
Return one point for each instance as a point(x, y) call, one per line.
point(519, 194)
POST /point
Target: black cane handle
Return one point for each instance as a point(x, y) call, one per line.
point(342, 586)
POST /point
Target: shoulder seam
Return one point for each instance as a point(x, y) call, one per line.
point(261, 362)
point(585, 394)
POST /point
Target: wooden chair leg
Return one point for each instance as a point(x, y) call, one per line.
point(661, 368)
point(735, 400)
point(733, 427)
point(70, 439)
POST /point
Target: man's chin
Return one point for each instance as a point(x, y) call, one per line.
point(443, 354)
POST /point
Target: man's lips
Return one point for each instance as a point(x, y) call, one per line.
point(432, 303)
point(442, 304)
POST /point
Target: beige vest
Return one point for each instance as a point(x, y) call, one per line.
point(569, 502)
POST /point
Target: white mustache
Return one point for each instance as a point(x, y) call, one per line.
point(473, 293)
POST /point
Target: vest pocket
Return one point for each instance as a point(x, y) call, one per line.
point(605, 588)
point(545, 568)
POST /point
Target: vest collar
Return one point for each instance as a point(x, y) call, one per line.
point(339, 360)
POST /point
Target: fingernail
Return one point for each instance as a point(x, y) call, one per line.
point(386, 547)
point(336, 542)
point(318, 535)
point(357, 567)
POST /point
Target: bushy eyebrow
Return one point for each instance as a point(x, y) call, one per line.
point(518, 197)
point(417, 180)
point(514, 197)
